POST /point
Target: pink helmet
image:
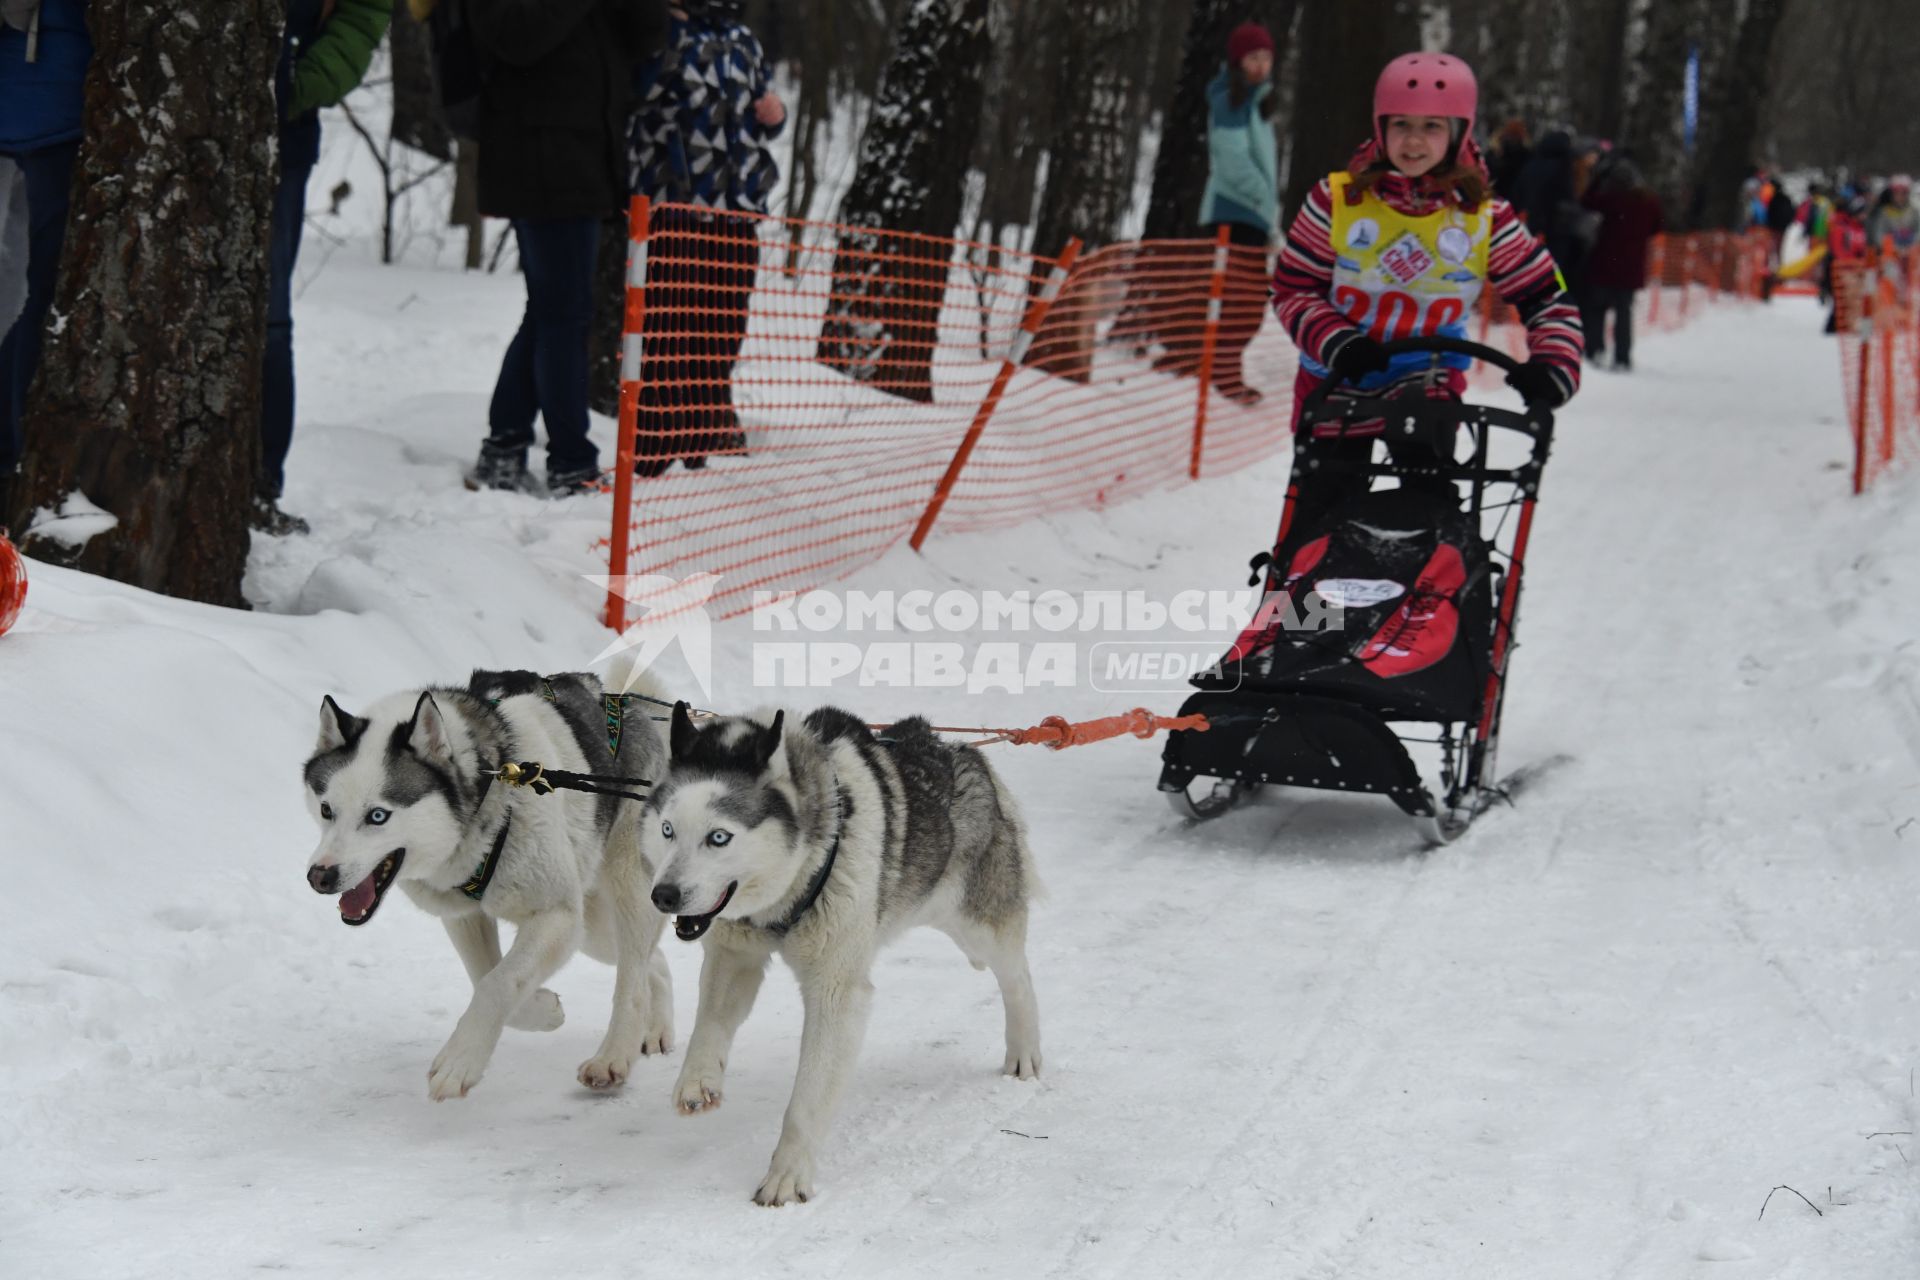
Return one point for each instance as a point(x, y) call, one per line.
point(1425, 84)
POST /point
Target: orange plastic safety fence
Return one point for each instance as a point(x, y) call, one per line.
point(800, 397)
point(819, 378)
point(1877, 314)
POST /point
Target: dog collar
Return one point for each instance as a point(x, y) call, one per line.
point(782, 926)
point(482, 876)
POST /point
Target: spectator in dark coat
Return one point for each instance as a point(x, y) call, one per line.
point(1549, 204)
point(1630, 217)
point(1779, 218)
point(552, 117)
point(43, 66)
point(1511, 151)
point(323, 56)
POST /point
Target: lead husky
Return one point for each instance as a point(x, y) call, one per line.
point(822, 843)
point(402, 796)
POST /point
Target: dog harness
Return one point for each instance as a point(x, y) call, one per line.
point(784, 924)
point(482, 876)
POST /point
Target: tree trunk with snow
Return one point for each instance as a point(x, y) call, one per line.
point(419, 120)
point(1732, 116)
point(1343, 45)
point(1094, 151)
point(604, 339)
point(882, 322)
point(148, 394)
point(1653, 128)
point(1603, 105)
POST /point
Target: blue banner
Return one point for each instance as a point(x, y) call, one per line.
point(1690, 111)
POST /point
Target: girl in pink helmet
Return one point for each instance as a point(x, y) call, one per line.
point(1402, 241)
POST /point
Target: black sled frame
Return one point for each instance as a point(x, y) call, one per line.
point(1328, 739)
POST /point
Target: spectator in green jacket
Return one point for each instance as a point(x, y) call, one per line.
point(327, 48)
point(1242, 195)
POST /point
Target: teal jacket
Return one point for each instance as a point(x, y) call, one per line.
point(1243, 170)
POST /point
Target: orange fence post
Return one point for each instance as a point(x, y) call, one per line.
point(638, 218)
point(1686, 275)
point(1656, 272)
point(1216, 292)
point(1864, 325)
point(1889, 304)
point(1036, 312)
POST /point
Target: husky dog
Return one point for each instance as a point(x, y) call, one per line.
point(822, 843)
point(403, 796)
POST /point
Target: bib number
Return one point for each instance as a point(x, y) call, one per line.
point(1397, 314)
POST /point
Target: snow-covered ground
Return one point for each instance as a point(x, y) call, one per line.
point(1587, 1040)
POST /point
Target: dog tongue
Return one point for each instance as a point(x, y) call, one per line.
point(356, 901)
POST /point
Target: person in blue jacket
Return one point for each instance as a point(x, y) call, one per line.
point(44, 52)
point(1242, 194)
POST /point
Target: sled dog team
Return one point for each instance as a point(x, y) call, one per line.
point(817, 841)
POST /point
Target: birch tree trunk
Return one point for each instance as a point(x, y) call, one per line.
point(147, 399)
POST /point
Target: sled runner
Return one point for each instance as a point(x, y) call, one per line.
point(1389, 621)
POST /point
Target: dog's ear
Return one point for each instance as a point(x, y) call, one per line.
point(682, 733)
point(773, 746)
point(427, 732)
point(337, 728)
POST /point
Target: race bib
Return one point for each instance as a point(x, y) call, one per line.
point(1406, 259)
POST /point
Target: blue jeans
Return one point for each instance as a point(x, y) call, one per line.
point(49, 176)
point(544, 373)
point(276, 374)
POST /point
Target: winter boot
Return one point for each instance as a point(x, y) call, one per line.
point(265, 516)
point(573, 481)
point(501, 466)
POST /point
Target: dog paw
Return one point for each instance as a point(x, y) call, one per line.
point(540, 1011)
point(456, 1070)
point(605, 1070)
point(789, 1179)
point(695, 1092)
point(659, 1037)
point(1022, 1064)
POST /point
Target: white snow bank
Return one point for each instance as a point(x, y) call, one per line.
point(1680, 973)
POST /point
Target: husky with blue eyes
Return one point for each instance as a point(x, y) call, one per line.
point(403, 795)
point(822, 842)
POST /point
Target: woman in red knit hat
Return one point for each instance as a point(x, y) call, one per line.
point(1242, 194)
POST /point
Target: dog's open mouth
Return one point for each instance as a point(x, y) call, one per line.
point(358, 904)
point(689, 928)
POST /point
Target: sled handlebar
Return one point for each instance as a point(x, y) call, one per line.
point(1380, 414)
point(1429, 346)
point(1453, 347)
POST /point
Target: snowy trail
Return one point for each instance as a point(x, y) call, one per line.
point(1585, 1041)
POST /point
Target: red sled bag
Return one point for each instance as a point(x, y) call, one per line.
point(1390, 607)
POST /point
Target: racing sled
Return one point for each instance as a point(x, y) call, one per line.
point(1387, 624)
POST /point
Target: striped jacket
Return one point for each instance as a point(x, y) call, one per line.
point(1519, 269)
